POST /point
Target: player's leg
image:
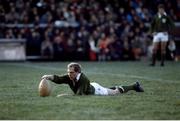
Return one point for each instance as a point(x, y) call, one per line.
point(154, 54)
point(113, 91)
point(164, 40)
point(100, 90)
point(163, 52)
point(156, 40)
point(123, 89)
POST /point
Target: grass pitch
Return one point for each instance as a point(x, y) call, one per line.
point(19, 97)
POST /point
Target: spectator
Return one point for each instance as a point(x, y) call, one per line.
point(103, 44)
point(172, 49)
point(34, 42)
point(2, 14)
point(47, 49)
point(9, 34)
point(82, 18)
point(126, 49)
point(93, 52)
point(59, 45)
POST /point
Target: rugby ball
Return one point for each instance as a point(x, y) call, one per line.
point(44, 88)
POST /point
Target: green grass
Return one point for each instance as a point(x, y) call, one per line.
point(19, 97)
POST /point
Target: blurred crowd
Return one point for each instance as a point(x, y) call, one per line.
point(83, 29)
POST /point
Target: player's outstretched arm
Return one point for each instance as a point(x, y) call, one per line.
point(48, 77)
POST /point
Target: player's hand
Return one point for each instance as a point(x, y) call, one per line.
point(48, 77)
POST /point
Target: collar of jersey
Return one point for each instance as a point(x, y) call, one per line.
point(159, 15)
point(78, 76)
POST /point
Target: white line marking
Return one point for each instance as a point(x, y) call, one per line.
point(30, 65)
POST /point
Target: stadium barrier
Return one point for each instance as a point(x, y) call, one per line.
point(12, 50)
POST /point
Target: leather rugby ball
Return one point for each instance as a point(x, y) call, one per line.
point(44, 88)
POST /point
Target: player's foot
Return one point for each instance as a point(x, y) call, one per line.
point(162, 64)
point(152, 64)
point(138, 87)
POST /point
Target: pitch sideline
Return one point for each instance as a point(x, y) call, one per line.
point(30, 65)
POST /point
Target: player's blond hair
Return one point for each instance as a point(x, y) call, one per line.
point(76, 66)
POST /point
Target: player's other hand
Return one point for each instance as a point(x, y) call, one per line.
point(47, 77)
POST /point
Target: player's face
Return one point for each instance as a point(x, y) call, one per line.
point(71, 73)
point(161, 11)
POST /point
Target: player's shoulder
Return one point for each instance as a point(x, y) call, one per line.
point(83, 77)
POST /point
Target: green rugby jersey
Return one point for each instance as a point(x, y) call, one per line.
point(80, 87)
point(162, 23)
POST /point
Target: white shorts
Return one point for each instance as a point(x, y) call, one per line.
point(99, 90)
point(160, 37)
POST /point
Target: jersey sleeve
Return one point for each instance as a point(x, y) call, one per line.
point(64, 79)
point(153, 24)
point(171, 24)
